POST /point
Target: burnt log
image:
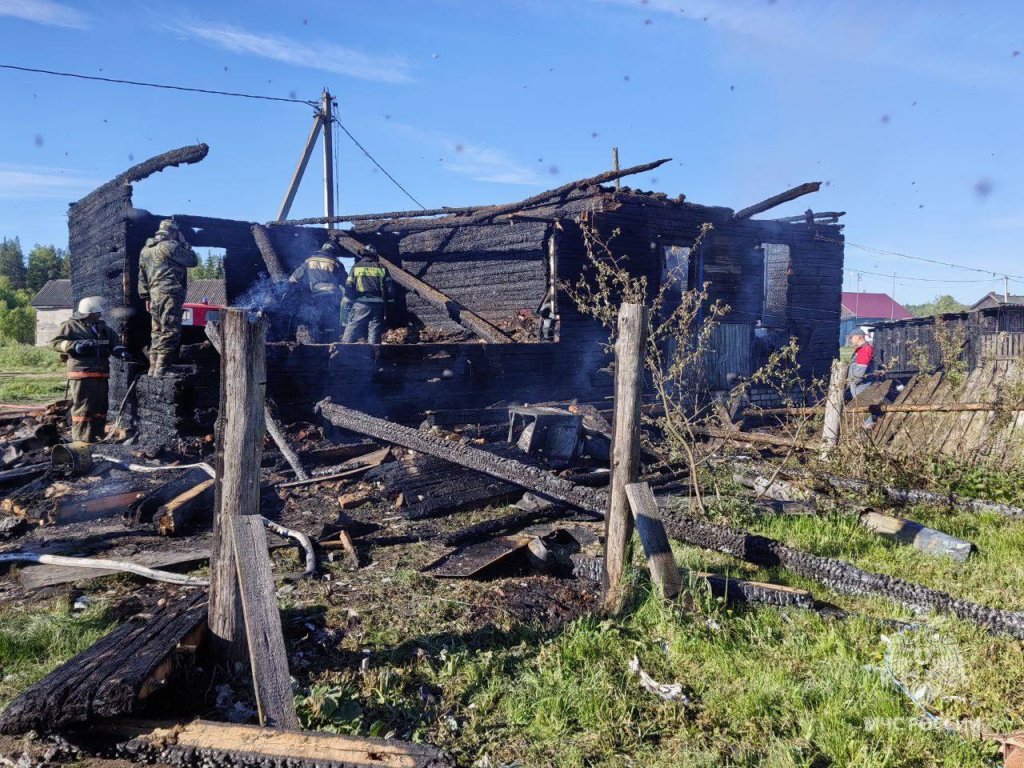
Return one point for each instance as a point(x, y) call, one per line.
point(542, 483)
point(779, 199)
point(117, 674)
point(268, 252)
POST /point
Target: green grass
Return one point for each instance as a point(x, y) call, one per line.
point(28, 359)
point(35, 641)
point(23, 358)
point(450, 664)
point(18, 391)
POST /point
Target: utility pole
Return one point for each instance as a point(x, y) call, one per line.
point(615, 167)
point(892, 299)
point(321, 122)
point(1006, 289)
point(326, 116)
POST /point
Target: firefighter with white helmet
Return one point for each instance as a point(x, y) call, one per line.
point(87, 343)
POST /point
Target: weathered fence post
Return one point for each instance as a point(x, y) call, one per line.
point(243, 612)
point(833, 407)
point(629, 375)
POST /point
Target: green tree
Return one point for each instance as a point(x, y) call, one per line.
point(17, 318)
point(45, 263)
point(12, 262)
point(210, 268)
point(940, 305)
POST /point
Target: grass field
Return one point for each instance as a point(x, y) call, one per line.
point(42, 380)
point(766, 686)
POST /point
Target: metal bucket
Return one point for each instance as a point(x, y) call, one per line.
point(71, 459)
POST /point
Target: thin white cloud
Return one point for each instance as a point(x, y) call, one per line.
point(480, 162)
point(921, 37)
point(45, 12)
point(26, 182)
point(328, 57)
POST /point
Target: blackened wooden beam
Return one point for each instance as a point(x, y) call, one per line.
point(533, 479)
point(779, 199)
point(268, 252)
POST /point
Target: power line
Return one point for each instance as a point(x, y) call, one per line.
point(163, 86)
point(883, 252)
point(374, 161)
point(890, 276)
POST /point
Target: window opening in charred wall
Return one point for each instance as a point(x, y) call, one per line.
point(776, 284)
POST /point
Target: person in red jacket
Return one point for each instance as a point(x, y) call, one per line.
point(861, 367)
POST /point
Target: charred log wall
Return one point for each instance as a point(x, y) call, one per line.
point(495, 270)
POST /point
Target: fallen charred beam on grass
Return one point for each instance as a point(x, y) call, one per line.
point(731, 590)
point(117, 674)
point(914, 496)
point(836, 574)
point(921, 537)
point(760, 550)
point(203, 743)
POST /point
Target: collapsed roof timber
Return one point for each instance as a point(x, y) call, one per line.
point(500, 263)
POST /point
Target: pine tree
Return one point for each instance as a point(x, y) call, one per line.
point(12, 262)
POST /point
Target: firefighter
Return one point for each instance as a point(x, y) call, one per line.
point(163, 278)
point(321, 279)
point(367, 290)
point(88, 342)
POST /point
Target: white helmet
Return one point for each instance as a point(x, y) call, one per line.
point(91, 305)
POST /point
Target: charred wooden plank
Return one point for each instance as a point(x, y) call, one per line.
point(248, 746)
point(531, 478)
point(503, 524)
point(779, 199)
point(113, 677)
point(79, 510)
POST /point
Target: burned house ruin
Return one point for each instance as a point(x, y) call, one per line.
point(506, 264)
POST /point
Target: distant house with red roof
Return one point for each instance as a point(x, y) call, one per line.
point(867, 308)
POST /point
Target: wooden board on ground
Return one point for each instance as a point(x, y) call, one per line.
point(175, 515)
point(249, 746)
point(469, 562)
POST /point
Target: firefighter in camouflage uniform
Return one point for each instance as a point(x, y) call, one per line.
point(319, 282)
point(88, 342)
point(163, 277)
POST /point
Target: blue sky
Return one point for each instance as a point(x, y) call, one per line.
point(911, 113)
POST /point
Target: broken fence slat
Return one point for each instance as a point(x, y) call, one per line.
point(267, 654)
point(662, 564)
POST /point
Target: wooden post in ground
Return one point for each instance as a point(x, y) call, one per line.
point(833, 407)
point(629, 375)
point(240, 429)
point(243, 603)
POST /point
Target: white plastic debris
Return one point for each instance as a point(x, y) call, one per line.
point(666, 691)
